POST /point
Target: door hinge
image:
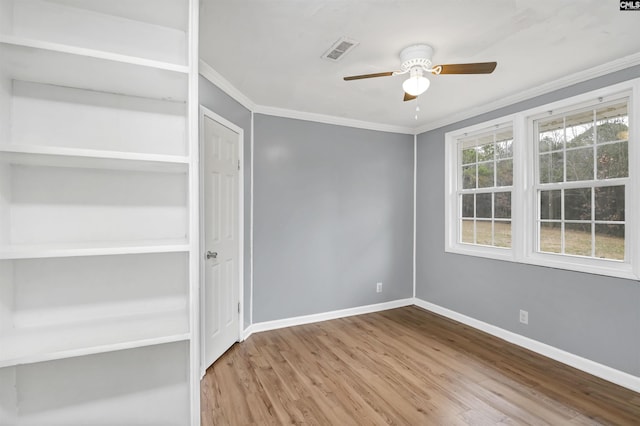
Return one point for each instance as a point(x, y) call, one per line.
point(238, 164)
point(238, 307)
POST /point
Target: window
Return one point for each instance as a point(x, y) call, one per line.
point(554, 186)
point(484, 188)
point(583, 173)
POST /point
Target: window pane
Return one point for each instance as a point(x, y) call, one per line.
point(579, 129)
point(609, 203)
point(551, 134)
point(504, 173)
point(502, 207)
point(550, 237)
point(577, 239)
point(468, 156)
point(485, 175)
point(467, 231)
point(580, 164)
point(550, 205)
point(551, 167)
point(483, 205)
point(483, 232)
point(577, 204)
point(469, 177)
point(485, 152)
point(613, 160)
point(482, 158)
point(467, 205)
point(504, 148)
point(610, 241)
point(613, 123)
point(502, 234)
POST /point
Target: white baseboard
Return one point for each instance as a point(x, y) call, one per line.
point(607, 373)
point(599, 370)
point(324, 316)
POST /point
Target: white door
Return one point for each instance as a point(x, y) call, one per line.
point(220, 160)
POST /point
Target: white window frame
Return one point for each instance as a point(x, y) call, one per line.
point(453, 208)
point(524, 194)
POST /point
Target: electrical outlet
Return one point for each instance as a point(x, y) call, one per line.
point(524, 317)
point(379, 288)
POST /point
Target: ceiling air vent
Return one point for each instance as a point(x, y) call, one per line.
point(339, 48)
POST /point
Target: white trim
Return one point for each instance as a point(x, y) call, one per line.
point(561, 83)
point(206, 112)
point(223, 84)
point(325, 316)
point(240, 233)
point(415, 197)
point(251, 228)
point(633, 223)
point(193, 132)
point(330, 119)
point(594, 368)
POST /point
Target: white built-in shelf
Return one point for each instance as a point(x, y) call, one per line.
point(98, 224)
point(36, 344)
point(92, 159)
point(119, 27)
point(34, 44)
point(69, 66)
point(94, 248)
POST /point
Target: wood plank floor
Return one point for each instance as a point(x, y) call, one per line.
point(402, 367)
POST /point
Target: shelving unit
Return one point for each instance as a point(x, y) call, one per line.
point(98, 212)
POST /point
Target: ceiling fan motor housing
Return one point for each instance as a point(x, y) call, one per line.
point(417, 55)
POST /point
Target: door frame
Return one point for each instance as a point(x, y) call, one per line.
point(206, 112)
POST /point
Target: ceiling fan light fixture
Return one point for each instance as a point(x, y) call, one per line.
point(416, 84)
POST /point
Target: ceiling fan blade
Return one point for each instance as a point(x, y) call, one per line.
point(408, 97)
point(360, 77)
point(476, 68)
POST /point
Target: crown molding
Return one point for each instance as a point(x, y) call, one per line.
point(331, 119)
point(223, 84)
point(561, 83)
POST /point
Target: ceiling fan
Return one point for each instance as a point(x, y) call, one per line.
point(416, 60)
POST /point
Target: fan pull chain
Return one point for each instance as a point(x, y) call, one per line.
point(417, 111)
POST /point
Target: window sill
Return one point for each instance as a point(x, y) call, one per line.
point(607, 268)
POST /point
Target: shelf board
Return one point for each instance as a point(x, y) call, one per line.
point(92, 159)
point(70, 66)
point(37, 344)
point(172, 14)
point(92, 249)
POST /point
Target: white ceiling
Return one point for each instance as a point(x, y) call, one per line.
point(270, 51)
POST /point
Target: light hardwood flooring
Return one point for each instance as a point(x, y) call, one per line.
point(403, 366)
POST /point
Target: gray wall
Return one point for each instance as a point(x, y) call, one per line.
point(333, 216)
point(222, 104)
point(592, 316)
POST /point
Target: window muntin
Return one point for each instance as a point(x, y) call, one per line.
point(582, 175)
point(484, 188)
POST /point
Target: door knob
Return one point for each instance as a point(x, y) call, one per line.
point(212, 255)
